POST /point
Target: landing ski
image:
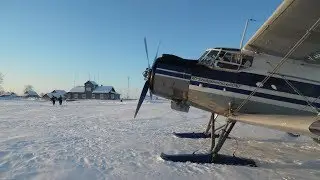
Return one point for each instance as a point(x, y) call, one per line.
point(209, 158)
point(194, 135)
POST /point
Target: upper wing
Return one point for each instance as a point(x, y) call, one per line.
point(285, 27)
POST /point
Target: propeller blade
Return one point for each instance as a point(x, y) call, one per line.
point(146, 47)
point(142, 96)
point(157, 52)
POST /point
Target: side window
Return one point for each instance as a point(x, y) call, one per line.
point(234, 61)
point(101, 96)
point(227, 57)
point(246, 62)
point(112, 96)
point(225, 65)
point(83, 96)
point(226, 61)
point(93, 96)
point(75, 96)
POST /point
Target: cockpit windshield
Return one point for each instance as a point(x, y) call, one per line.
point(230, 60)
point(209, 54)
point(209, 57)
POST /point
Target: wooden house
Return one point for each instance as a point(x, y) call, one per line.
point(91, 90)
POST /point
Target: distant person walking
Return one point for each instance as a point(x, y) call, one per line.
point(60, 100)
point(53, 99)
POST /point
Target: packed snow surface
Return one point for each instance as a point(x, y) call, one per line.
point(101, 140)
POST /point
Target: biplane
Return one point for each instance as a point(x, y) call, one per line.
point(272, 81)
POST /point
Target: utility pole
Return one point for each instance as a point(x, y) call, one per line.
point(128, 87)
point(74, 80)
point(245, 31)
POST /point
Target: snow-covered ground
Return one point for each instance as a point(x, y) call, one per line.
point(101, 140)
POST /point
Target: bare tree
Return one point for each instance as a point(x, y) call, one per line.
point(28, 88)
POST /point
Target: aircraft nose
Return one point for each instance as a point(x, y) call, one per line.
point(315, 128)
point(170, 77)
point(152, 72)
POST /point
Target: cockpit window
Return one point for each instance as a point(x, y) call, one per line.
point(226, 60)
point(208, 58)
point(203, 55)
point(247, 61)
point(212, 54)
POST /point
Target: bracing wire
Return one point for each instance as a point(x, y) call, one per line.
point(283, 60)
point(299, 93)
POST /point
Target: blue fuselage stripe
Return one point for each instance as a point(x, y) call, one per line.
point(257, 94)
point(235, 90)
point(248, 79)
point(174, 74)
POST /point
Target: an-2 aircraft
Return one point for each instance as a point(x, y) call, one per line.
point(272, 81)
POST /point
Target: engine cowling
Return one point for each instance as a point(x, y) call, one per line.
point(171, 77)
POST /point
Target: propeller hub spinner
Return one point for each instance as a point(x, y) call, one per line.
point(147, 74)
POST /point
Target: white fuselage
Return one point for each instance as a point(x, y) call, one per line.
point(293, 90)
point(288, 101)
point(290, 71)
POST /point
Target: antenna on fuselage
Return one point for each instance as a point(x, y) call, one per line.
point(245, 31)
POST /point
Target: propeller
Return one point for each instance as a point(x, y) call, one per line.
point(153, 63)
point(157, 52)
point(147, 75)
point(142, 96)
point(146, 48)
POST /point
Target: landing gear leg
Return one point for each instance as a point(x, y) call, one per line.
point(210, 124)
point(205, 134)
point(223, 136)
point(213, 138)
point(213, 156)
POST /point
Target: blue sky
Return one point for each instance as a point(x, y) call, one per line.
point(48, 44)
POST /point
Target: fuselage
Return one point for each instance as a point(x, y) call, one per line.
point(294, 90)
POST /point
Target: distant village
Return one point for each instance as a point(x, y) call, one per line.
point(90, 90)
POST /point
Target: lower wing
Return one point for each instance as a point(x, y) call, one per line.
point(304, 125)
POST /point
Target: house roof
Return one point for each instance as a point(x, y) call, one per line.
point(59, 91)
point(93, 82)
point(79, 89)
point(103, 89)
point(8, 94)
point(31, 93)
